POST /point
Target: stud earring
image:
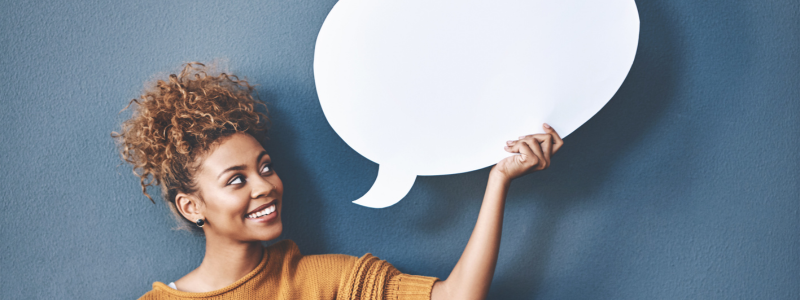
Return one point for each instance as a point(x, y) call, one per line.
point(200, 222)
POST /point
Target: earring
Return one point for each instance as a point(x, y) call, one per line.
point(200, 222)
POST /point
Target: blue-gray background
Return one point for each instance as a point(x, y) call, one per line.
point(684, 186)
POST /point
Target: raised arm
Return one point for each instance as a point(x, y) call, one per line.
point(472, 275)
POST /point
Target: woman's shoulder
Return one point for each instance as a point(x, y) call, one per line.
point(289, 254)
point(316, 276)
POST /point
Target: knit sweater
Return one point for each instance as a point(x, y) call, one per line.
point(284, 273)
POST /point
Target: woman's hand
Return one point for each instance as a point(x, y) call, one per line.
point(535, 152)
point(472, 275)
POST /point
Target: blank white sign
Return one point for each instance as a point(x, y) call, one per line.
point(437, 87)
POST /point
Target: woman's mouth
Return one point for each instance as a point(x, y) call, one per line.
point(264, 212)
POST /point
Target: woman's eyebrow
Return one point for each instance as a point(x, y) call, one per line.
point(260, 155)
point(234, 168)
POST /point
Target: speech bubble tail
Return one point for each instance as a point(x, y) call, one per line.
point(389, 188)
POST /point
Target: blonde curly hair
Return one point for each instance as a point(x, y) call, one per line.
point(175, 121)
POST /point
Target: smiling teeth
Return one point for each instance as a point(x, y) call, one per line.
point(270, 209)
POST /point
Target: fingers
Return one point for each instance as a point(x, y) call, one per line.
point(532, 153)
point(534, 145)
point(557, 141)
point(541, 141)
point(529, 156)
point(541, 146)
point(546, 142)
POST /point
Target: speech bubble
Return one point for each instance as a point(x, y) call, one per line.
point(437, 87)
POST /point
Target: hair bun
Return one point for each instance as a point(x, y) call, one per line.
point(177, 119)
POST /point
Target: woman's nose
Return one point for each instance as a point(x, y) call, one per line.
point(262, 187)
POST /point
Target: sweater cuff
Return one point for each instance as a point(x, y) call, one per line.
point(410, 287)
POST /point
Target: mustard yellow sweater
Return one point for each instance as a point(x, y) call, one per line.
point(284, 273)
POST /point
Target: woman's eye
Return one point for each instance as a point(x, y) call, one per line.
point(266, 168)
point(236, 180)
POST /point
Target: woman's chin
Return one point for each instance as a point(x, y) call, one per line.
point(268, 227)
point(271, 233)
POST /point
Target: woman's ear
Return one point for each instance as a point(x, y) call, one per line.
point(189, 206)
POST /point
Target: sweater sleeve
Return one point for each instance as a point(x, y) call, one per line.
point(375, 279)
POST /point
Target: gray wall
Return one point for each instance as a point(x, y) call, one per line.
point(684, 186)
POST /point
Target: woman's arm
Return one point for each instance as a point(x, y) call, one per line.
point(472, 275)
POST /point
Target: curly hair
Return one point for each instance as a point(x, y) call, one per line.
point(177, 120)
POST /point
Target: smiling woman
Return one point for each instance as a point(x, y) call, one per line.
point(175, 122)
point(238, 194)
point(198, 137)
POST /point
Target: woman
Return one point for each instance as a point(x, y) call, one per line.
point(199, 137)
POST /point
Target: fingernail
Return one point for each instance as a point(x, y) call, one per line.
point(522, 137)
point(509, 143)
point(546, 125)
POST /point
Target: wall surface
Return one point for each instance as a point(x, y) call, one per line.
point(684, 186)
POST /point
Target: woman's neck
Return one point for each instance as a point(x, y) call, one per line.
point(224, 263)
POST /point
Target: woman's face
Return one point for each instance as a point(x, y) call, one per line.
point(241, 194)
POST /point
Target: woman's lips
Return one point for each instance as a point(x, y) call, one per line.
point(264, 213)
point(262, 207)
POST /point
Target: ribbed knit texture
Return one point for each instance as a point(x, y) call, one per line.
point(284, 273)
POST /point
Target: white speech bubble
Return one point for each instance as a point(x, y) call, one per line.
point(437, 87)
